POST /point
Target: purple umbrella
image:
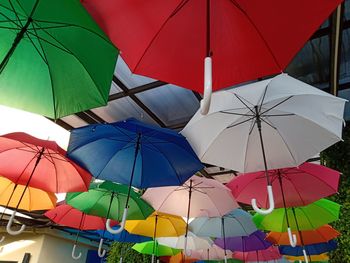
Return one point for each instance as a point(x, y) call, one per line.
point(255, 241)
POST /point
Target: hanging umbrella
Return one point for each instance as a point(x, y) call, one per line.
point(319, 235)
point(171, 39)
point(66, 215)
point(270, 253)
point(158, 250)
point(213, 253)
point(314, 258)
point(133, 153)
point(255, 241)
point(178, 258)
point(314, 249)
point(291, 187)
point(275, 123)
point(54, 59)
point(193, 242)
point(42, 164)
point(204, 197)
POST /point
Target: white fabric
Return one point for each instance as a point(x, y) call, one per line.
point(213, 253)
point(193, 242)
point(314, 122)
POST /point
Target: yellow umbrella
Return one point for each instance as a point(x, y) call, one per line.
point(321, 257)
point(33, 199)
point(157, 225)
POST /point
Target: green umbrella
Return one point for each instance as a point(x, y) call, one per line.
point(107, 200)
point(54, 59)
point(307, 217)
point(160, 250)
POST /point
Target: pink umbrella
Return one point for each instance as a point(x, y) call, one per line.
point(271, 253)
point(213, 253)
point(204, 197)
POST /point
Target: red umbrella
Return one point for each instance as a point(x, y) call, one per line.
point(245, 39)
point(271, 253)
point(68, 216)
point(38, 163)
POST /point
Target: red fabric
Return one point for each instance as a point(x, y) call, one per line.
point(166, 40)
point(302, 185)
point(271, 253)
point(65, 215)
point(54, 172)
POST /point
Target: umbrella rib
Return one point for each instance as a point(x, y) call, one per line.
point(241, 99)
point(239, 123)
point(56, 171)
point(14, 11)
point(276, 105)
point(37, 50)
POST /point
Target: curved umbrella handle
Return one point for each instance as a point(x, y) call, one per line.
point(271, 203)
point(2, 239)
point(122, 223)
point(9, 225)
point(73, 253)
point(101, 252)
point(121, 260)
point(292, 238)
point(152, 258)
point(208, 86)
point(306, 260)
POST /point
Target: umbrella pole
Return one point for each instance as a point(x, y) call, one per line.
point(188, 215)
point(301, 237)
point(292, 237)
point(76, 239)
point(269, 185)
point(154, 237)
point(9, 224)
point(125, 213)
point(223, 234)
point(102, 253)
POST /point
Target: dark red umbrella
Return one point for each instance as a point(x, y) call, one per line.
point(68, 216)
point(42, 164)
point(246, 39)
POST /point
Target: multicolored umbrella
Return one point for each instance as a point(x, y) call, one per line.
point(157, 250)
point(171, 39)
point(40, 41)
point(193, 242)
point(309, 237)
point(266, 129)
point(255, 241)
point(42, 164)
point(314, 249)
point(134, 153)
point(270, 253)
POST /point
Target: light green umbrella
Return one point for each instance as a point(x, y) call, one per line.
point(307, 217)
point(107, 200)
point(54, 59)
point(155, 250)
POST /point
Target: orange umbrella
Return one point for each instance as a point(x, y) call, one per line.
point(319, 235)
point(178, 258)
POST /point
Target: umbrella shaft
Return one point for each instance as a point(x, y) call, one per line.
point(208, 51)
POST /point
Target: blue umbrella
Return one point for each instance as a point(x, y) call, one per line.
point(314, 249)
point(123, 236)
point(133, 153)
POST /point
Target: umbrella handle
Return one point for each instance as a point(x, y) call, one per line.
point(122, 223)
point(73, 253)
point(205, 102)
point(225, 259)
point(152, 258)
point(101, 252)
point(306, 260)
point(188, 252)
point(9, 225)
point(271, 203)
point(121, 260)
point(292, 238)
point(2, 239)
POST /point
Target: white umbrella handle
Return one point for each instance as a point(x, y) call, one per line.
point(305, 256)
point(121, 226)
point(2, 239)
point(121, 260)
point(9, 225)
point(152, 258)
point(271, 203)
point(225, 259)
point(101, 252)
point(73, 253)
point(157, 260)
point(208, 86)
point(292, 238)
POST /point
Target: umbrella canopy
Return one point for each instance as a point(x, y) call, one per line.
point(206, 198)
point(107, 200)
point(301, 218)
point(66, 215)
point(159, 250)
point(33, 199)
point(170, 39)
point(236, 223)
point(157, 225)
point(178, 258)
point(213, 253)
point(314, 258)
point(270, 253)
point(41, 164)
point(132, 152)
point(314, 249)
point(193, 242)
point(292, 184)
point(319, 235)
point(65, 61)
point(124, 236)
point(255, 241)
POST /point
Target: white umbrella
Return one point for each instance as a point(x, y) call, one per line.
point(275, 123)
point(213, 253)
point(193, 242)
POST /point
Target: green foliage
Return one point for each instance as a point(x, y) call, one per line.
point(129, 255)
point(338, 158)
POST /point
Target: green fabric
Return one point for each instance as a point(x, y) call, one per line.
point(97, 200)
point(159, 250)
point(63, 64)
point(308, 217)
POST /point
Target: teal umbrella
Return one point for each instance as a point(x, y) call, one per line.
point(54, 59)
